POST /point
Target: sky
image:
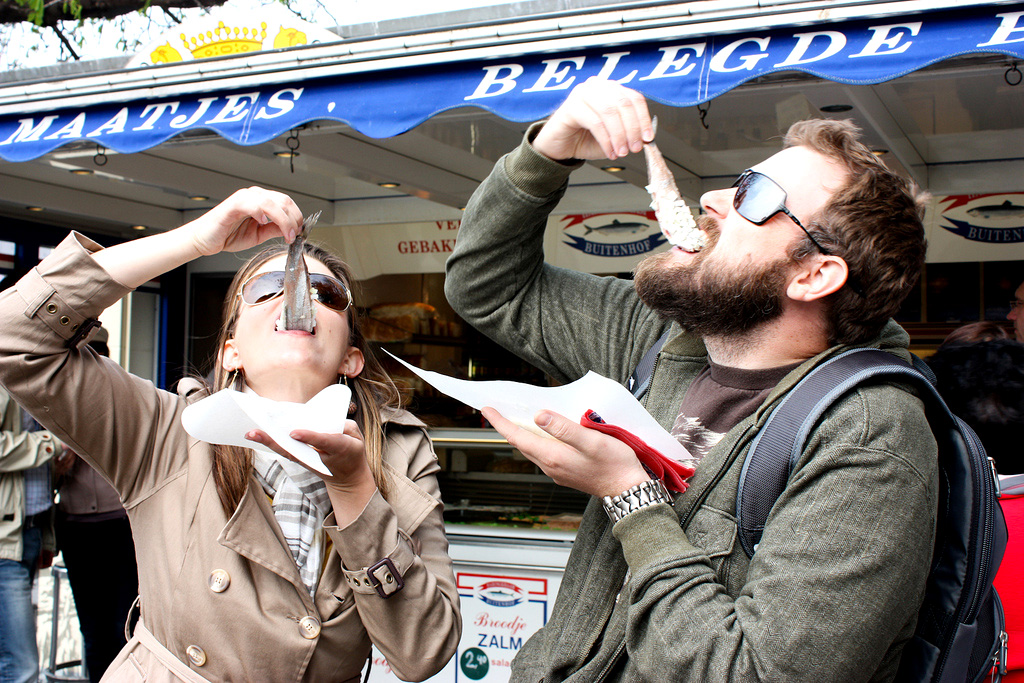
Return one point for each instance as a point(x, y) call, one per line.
point(24, 45)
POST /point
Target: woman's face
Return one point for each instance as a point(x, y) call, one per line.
point(276, 361)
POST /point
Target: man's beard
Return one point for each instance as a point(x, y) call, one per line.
point(709, 301)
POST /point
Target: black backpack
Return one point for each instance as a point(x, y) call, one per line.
point(961, 630)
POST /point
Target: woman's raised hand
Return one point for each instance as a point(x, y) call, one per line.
point(245, 219)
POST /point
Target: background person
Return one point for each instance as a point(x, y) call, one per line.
point(985, 330)
point(95, 541)
point(983, 383)
point(811, 254)
point(251, 567)
point(26, 531)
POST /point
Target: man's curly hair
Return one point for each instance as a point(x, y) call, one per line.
point(874, 223)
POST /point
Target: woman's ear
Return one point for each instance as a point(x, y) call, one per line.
point(229, 359)
point(818, 277)
point(352, 363)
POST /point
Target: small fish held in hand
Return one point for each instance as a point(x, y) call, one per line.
point(674, 216)
point(297, 312)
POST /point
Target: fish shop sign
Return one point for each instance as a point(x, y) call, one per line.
point(613, 235)
point(991, 218)
point(679, 72)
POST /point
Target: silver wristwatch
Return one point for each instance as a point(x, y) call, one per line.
point(632, 499)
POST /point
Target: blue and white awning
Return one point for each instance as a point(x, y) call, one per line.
point(381, 103)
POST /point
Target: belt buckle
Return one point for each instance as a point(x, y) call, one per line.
point(378, 585)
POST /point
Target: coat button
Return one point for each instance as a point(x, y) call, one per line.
point(219, 580)
point(309, 627)
point(196, 655)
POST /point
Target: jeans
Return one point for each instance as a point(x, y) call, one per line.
point(19, 658)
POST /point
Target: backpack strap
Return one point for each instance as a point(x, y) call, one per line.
point(780, 443)
point(640, 380)
point(921, 366)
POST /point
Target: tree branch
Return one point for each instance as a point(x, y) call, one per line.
point(64, 40)
point(12, 11)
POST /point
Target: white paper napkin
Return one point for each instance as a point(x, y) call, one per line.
point(519, 402)
point(226, 416)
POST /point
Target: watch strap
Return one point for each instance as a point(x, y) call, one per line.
point(644, 494)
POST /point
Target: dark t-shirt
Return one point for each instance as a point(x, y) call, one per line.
point(719, 398)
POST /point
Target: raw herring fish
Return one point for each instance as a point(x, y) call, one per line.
point(674, 216)
point(298, 313)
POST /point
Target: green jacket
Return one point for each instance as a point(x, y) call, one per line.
point(668, 594)
point(19, 451)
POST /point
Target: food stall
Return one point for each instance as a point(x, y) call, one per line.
point(507, 585)
point(389, 135)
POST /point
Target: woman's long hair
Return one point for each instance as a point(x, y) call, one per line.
point(373, 391)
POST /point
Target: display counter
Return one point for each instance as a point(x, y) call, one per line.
point(510, 530)
point(507, 580)
point(485, 481)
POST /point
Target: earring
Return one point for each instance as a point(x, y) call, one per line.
point(351, 404)
point(343, 380)
point(233, 378)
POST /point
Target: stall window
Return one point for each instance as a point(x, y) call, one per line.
point(7, 251)
point(206, 310)
point(953, 292)
point(999, 281)
point(143, 309)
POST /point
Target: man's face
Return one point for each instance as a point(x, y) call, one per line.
point(739, 281)
point(1016, 313)
point(713, 299)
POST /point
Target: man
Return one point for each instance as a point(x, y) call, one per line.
point(809, 255)
point(26, 532)
point(1015, 310)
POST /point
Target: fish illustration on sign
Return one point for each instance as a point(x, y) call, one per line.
point(617, 227)
point(1003, 211)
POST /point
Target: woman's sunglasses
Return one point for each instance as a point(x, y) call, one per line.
point(264, 287)
point(758, 198)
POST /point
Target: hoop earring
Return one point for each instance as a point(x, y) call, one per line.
point(343, 380)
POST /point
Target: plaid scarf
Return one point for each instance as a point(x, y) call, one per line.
point(300, 502)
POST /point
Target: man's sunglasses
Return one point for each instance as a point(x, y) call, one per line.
point(264, 287)
point(758, 198)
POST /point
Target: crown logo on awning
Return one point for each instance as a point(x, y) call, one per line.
point(225, 40)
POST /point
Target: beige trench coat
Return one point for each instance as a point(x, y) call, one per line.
point(224, 594)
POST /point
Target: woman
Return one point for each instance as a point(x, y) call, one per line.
point(251, 568)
